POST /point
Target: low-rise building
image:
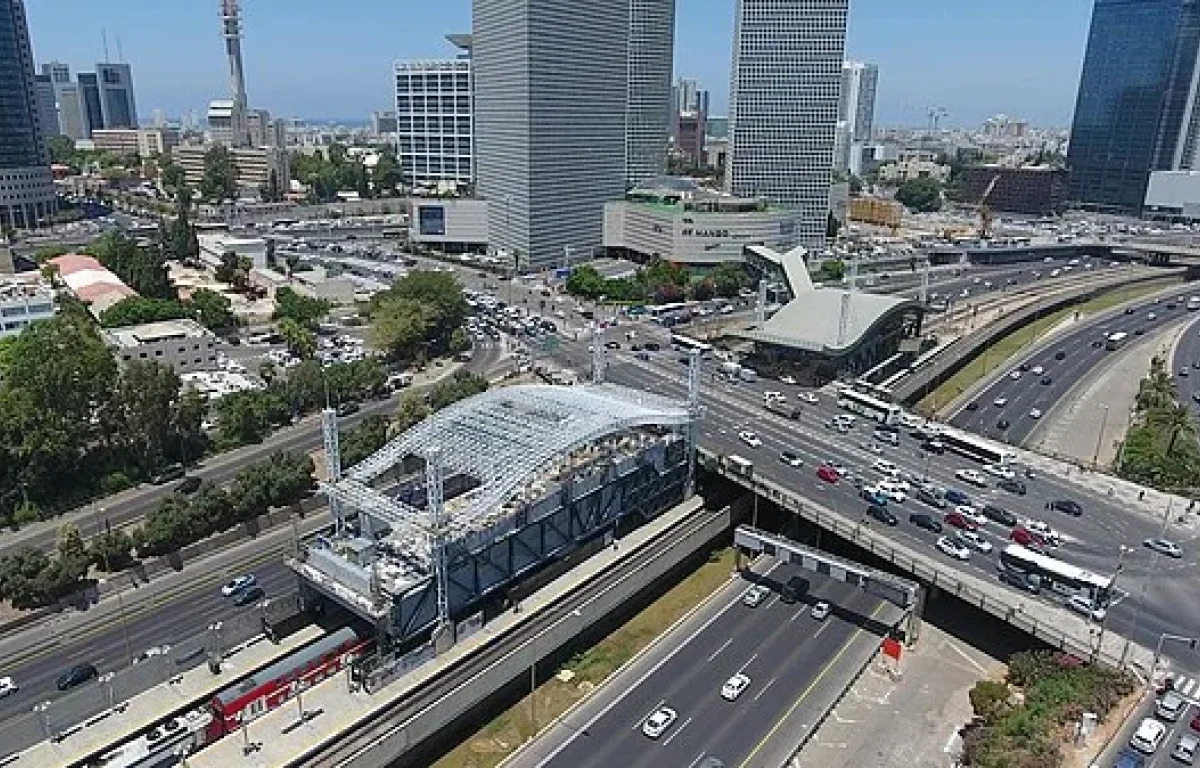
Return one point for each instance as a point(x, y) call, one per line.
point(449, 224)
point(315, 283)
point(253, 167)
point(1034, 190)
point(23, 302)
point(914, 164)
point(676, 219)
point(183, 345)
point(90, 282)
point(214, 246)
point(144, 142)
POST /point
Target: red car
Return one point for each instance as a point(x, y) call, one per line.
point(1196, 722)
point(1027, 538)
point(828, 473)
point(957, 520)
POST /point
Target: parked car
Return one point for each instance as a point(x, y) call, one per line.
point(76, 676)
point(928, 522)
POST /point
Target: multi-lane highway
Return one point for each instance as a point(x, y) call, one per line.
point(1155, 594)
point(1185, 367)
point(1002, 410)
point(779, 646)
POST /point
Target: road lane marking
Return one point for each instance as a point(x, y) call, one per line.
point(645, 717)
point(749, 661)
point(807, 691)
point(770, 682)
point(699, 757)
point(797, 614)
point(718, 651)
point(676, 732)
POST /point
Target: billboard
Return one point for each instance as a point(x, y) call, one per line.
point(431, 219)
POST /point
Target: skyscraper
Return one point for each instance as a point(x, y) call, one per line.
point(555, 125)
point(26, 187)
point(237, 132)
point(47, 105)
point(118, 107)
point(648, 116)
point(1136, 110)
point(856, 113)
point(66, 99)
point(784, 86)
point(91, 108)
point(433, 118)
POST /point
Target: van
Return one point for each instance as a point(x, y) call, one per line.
point(1170, 706)
point(1185, 749)
point(1148, 736)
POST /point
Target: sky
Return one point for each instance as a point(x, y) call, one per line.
point(305, 58)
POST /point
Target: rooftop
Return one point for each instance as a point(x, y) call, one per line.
point(812, 321)
point(149, 333)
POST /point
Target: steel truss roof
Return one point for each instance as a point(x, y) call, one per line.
point(503, 438)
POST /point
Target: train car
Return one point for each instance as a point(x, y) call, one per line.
point(271, 686)
point(163, 745)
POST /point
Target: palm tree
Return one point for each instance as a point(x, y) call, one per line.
point(1177, 419)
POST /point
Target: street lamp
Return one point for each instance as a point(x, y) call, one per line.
point(1191, 641)
point(575, 613)
point(1100, 436)
point(1124, 550)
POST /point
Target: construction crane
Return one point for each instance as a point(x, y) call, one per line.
point(935, 117)
point(985, 210)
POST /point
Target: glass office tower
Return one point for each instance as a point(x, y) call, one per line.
point(26, 187)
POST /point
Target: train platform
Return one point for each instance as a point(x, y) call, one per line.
point(286, 735)
point(129, 718)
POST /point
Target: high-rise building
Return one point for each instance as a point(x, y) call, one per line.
point(231, 29)
point(690, 134)
point(383, 123)
point(857, 105)
point(552, 111)
point(26, 186)
point(66, 99)
point(648, 114)
point(47, 105)
point(91, 110)
point(117, 105)
point(433, 122)
point(1136, 110)
point(784, 87)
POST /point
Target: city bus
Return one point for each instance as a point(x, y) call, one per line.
point(686, 344)
point(658, 312)
point(975, 448)
point(1062, 578)
point(869, 407)
point(1116, 340)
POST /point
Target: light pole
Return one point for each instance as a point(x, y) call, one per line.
point(575, 613)
point(1112, 585)
point(97, 513)
point(1191, 641)
point(1137, 615)
point(1100, 436)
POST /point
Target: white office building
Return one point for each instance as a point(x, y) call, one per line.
point(552, 107)
point(23, 302)
point(648, 117)
point(434, 122)
point(856, 114)
point(66, 99)
point(183, 345)
point(784, 97)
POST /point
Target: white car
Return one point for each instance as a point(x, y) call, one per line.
point(734, 686)
point(972, 514)
point(749, 438)
point(885, 467)
point(1000, 471)
point(235, 586)
point(1148, 736)
point(1046, 532)
point(1000, 402)
point(971, 476)
point(754, 596)
point(785, 379)
point(911, 421)
point(152, 652)
point(1015, 375)
point(773, 396)
point(1038, 370)
point(894, 491)
point(953, 548)
point(1151, 316)
point(809, 397)
point(1036, 413)
point(657, 724)
point(1083, 605)
point(7, 686)
point(974, 541)
point(821, 610)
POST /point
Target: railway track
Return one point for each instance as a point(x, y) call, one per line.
point(394, 718)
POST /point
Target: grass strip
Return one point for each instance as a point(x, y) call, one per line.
point(998, 355)
point(501, 737)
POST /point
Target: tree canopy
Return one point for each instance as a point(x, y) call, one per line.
point(417, 316)
point(142, 269)
point(219, 181)
point(303, 310)
point(923, 195)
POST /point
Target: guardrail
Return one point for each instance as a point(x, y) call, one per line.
point(962, 351)
point(1044, 622)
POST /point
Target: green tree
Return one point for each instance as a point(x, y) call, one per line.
point(219, 181)
point(145, 412)
point(300, 341)
point(386, 174)
point(400, 327)
point(305, 310)
point(832, 269)
point(165, 529)
point(172, 178)
point(729, 277)
point(212, 310)
point(923, 195)
point(111, 551)
point(410, 411)
point(246, 417)
point(366, 438)
point(139, 268)
point(234, 270)
point(62, 152)
point(134, 310)
point(70, 541)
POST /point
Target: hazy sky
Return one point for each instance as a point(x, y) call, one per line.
point(319, 59)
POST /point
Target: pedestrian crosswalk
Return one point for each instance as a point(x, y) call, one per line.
point(1187, 687)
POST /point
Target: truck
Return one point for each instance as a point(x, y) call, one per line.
point(739, 465)
point(783, 408)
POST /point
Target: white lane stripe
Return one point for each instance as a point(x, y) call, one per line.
point(718, 651)
point(1187, 686)
point(749, 661)
point(645, 717)
point(676, 732)
point(764, 688)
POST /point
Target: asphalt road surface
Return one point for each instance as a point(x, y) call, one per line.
point(780, 647)
point(1186, 366)
point(1083, 349)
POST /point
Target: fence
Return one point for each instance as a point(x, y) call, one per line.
point(61, 716)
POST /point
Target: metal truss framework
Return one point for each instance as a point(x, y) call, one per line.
point(502, 438)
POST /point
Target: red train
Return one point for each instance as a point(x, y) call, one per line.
point(271, 686)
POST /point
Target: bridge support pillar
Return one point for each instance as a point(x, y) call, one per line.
point(914, 620)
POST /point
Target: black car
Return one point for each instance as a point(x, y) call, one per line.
point(999, 515)
point(1024, 367)
point(1066, 505)
point(1060, 355)
point(921, 520)
point(1046, 380)
point(248, 596)
point(651, 346)
point(612, 344)
point(1013, 486)
point(930, 498)
point(1003, 424)
point(1129, 310)
point(189, 485)
point(1023, 581)
point(1139, 331)
point(973, 406)
point(76, 675)
point(934, 446)
point(881, 514)
point(167, 474)
point(347, 408)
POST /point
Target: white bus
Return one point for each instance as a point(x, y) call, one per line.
point(869, 407)
point(659, 311)
point(1193, 303)
point(975, 448)
point(1116, 340)
point(681, 343)
point(1063, 578)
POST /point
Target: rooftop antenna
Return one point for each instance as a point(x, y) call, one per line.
point(104, 42)
point(120, 53)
